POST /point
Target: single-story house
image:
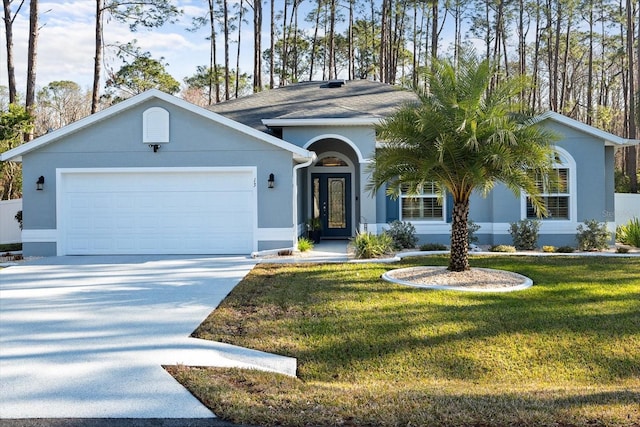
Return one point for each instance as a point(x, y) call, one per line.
point(158, 175)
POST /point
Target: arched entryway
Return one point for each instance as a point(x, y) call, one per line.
point(334, 187)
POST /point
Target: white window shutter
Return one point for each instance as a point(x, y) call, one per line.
point(155, 126)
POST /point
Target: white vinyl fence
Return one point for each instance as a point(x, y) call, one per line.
point(9, 227)
point(627, 207)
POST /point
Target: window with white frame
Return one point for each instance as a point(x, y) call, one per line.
point(555, 192)
point(422, 206)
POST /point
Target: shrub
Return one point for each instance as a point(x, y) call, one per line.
point(18, 218)
point(548, 249)
point(403, 235)
point(304, 244)
point(472, 227)
point(629, 233)
point(433, 247)
point(525, 234)
point(565, 250)
point(592, 235)
point(502, 248)
point(367, 245)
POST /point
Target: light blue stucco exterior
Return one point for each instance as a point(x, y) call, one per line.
point(195, 141)
point(591, 196)
point(204, 140)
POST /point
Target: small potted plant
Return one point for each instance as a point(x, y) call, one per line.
point(314, 229)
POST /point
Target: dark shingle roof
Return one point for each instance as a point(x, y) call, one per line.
point(315, 100)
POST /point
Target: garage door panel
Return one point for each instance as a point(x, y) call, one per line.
point(158, 212)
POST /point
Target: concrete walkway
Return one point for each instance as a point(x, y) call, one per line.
point(85, 337)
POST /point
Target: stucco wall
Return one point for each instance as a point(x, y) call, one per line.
point(593, 196)
point(361, 138)
point(194, 141)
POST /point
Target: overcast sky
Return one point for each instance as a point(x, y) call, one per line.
point(66, 43)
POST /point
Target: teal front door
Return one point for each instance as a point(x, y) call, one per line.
point(332, 203)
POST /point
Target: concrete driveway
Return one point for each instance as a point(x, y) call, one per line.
point(85, 337)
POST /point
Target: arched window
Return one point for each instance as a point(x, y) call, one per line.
point(331, 162)
point(558, 194)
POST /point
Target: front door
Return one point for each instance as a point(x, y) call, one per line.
point(332, 203)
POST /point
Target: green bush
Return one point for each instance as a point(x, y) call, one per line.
point(623, 181)
point(433, 247)
point(304, 244)
point(18, 218)
point(629, 233)
point(502, 248)
point(403, 235)
point(472, 227)
point(10, 247)
point(525, 234)
point(593, 235)
point(367, 245)
point(565, 250)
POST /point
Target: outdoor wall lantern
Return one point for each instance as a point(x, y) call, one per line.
point(40, 183)
point(271, 181)
point(155, 147)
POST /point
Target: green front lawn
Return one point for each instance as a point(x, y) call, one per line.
point(564, 352)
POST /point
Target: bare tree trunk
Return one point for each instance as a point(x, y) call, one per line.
point(536, 58)
point(283, 55)
point(294, 49)
point(384, 44)
point(257, 45)
point(32, 60)
point(590, 68)
point(238, 51)
point(314, 43)
point(8, 28)
point(434, 29)
point(556, 58)
point(631, 161)
point(352, 68)
point(522, 47)
point(272, 47)
point(457, 19)
point(97, 59)
point(225, 11)
point(213, 75)
point(414, 64)
point(332, 40)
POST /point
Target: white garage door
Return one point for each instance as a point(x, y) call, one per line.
point(156, 211)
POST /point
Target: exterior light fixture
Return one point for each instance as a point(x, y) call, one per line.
point(40, 183)
point(272, 180)
point(155, 147)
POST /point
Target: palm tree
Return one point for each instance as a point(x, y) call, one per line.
point(466, 135)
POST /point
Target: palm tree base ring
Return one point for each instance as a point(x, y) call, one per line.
point(473, 280)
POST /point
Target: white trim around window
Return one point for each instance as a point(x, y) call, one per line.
point(567, 163)
point(425, 205)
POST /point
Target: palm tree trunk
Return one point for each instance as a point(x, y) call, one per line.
point(459, 259)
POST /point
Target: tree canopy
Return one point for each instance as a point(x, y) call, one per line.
point(142, 74)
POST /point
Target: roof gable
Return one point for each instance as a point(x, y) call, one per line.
point(609, 139)
point(16, 154)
